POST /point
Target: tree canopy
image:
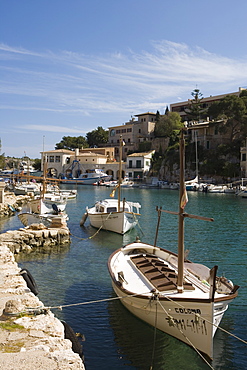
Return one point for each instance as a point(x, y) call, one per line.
point(93, 138)
point(71, 143)
point(168, 125)
point(195, 110)
point(231, 112)
point(97, 136)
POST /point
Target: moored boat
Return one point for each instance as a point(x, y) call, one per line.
point(183, 299)
point(114, 215)
point(89, 178)
point(108, 215)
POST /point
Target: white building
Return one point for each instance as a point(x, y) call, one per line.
point(138, 164)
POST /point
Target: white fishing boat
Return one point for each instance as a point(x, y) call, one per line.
point(47, 208)
point(109, 215)
point(27, 189)
point(114, 215)
point(41, 211)
point(89, 178)
point(183, 299)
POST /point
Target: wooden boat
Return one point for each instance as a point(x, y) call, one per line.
point(183, 299)
point(48, 208)
point(45, 212)
point(114, 215)
point(107, 214)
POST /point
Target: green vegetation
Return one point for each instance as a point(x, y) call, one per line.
point(72, 143)
point(11, 326)
point(93, 139)
point(168, 125)
point(195, 110)
point(228, 116)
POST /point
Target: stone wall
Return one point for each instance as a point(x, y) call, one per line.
point(31, 337)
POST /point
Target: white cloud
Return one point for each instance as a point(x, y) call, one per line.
point(82, 84)
point(52, 128)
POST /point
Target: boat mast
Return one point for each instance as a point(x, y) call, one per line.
point(120, 171)
point(196, 157)
point(182, 194)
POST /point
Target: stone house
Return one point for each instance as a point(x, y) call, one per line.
point(133, 133)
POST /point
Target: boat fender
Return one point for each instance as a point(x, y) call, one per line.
point(31, 284)
point(70, 334)
point(83, 219)
point(11, 208)
point(55, 209)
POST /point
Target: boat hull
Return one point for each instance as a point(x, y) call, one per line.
point(183, 323)
point(145, 289)
point(118, 222)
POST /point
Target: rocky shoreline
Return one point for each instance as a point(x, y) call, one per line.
point(31, 337)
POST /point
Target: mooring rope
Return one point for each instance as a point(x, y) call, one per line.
point(187, 339)
point(92, 236)
point(155, 329)
point(211, 323)
point(40, 310)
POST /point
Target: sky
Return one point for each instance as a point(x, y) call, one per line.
point(70, 66)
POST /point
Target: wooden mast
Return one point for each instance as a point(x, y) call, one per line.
point(182, 195)
point(120, 171)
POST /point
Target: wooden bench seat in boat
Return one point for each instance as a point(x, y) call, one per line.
point(158, 273)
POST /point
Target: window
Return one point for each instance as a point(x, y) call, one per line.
point(57, 159)
point(138, 163)
point(130, 164)
point(147, 162)
point(244, 157)
point(129, 129)
point(208, 145)
point(51, 158)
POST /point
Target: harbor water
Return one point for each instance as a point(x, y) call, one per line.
point(77, 273)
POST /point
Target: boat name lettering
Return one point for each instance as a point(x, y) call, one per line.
point(195, 326)
point(187, 310)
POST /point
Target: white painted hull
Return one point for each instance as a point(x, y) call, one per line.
point(118, 222)
point(107, 215)
point(46, 219)
point(187, 316)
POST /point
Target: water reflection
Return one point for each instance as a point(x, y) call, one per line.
point(135, 342)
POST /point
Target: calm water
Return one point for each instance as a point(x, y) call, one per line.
point(78, 273)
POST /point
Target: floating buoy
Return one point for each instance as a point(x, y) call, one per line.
point(83, 219)
point(31, 284)
point(70, 334)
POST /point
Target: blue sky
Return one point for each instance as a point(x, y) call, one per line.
point(69, 66)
